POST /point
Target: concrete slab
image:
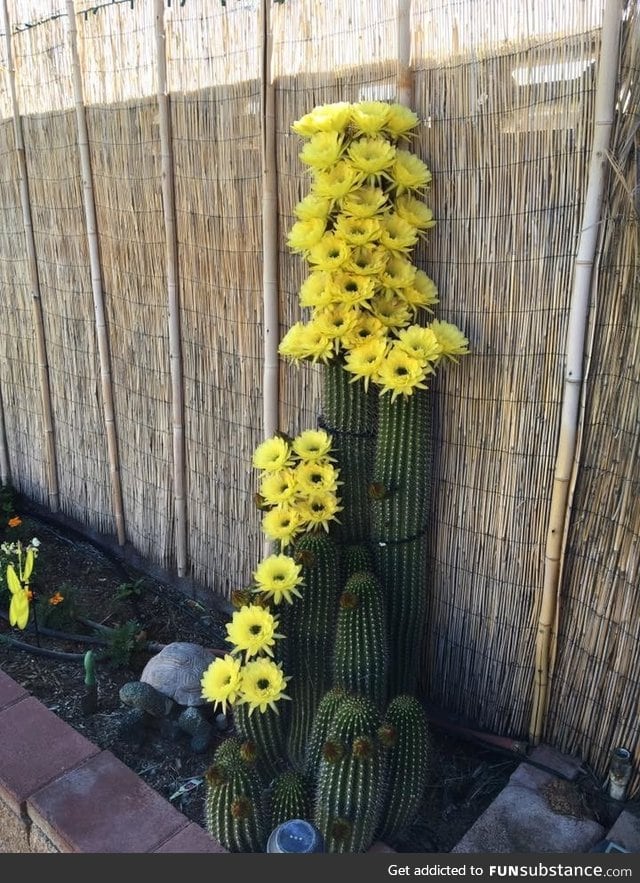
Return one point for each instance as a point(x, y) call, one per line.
point(626, 831)
point(537, 811)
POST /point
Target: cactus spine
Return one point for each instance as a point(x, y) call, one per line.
point(360, 656)
point(265, 730)
point(406, 733)
point(351, 777)
point(309, 626)
point(233, 800)
point(289, 798)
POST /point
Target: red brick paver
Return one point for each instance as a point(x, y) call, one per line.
point(10, 692)
point(193, 838)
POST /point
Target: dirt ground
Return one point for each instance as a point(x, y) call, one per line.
point(97, 587)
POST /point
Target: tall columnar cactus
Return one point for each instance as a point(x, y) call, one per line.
point(405, 732)
point(361, 656)
point(309, 626)
point(347, 502)
point(233, 800)
point(351, 777)
point(267, 732)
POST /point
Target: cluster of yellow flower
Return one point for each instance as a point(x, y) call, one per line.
point(298, 488)
point(18, 576)
point(355, 229)
point(298, 485)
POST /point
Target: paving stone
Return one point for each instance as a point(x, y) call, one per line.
point(626, 831)
point(521, 820)
point(37, 747)
point(103, 806)
point(10, 692)
point(564, 764)
point(193, 838)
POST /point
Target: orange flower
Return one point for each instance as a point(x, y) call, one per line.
point(16, 521)
point(56, 599)
point(29, 593)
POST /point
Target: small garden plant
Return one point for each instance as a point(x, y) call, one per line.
point(326, 641)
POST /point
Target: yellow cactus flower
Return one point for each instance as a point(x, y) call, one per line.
point(400, 374)
point(278, 487)
point(324, 118)
point(282, 525)
point(278, 577)
point(421, 343)
point(313, 445)
point(330, 253)
point(252, 631)
point(336, 182)
point(357, 231)
point(391, 309)
point(322, 150)
point(401, 120)
point(367, 327)
point(335, 320)
point(451, 339)
point(367, 260)
point(370, 117)
point(399, 273)
point(422, 292)
point(316, 291)
point(371, 157)
point(263, 684)
point(319, 509)
point(365, 202)
point(397, 234)
point(272, 455)
point(303, 235)
point(409, 172)
point(221, 682)
point(313, 206)
point(316, 476)
point(351, 289)
point(414, 212)
point(365, 360)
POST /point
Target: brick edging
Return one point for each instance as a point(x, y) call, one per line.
point(60, 793)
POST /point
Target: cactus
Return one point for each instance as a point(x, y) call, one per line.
point(267, 731)
point(289, 798)
point(349, 415)
point(351, 776)
point(406, 733)
point(356, 558)
point(233, 799)
point(309, 626)
point(360, 657)
point(321, 722)
point(400, 514)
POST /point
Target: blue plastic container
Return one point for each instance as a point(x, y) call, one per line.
point(295, 836)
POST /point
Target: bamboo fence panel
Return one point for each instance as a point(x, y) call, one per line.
point(218, 187)
point(63, 271)
point(509, 165)
point(19, 369)
point(595, 701)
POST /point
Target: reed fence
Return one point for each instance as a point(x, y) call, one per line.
point(148, 176)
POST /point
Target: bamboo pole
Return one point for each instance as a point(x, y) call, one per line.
point(96, 279)
point(269, 233)
point(34, 280)
point(5, 472)
point(173, 293)
point(578, 314)
point(271, 318)
point(404, 76)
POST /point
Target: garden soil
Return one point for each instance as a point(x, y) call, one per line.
point(97, 587)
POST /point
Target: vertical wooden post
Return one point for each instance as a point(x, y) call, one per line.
point(96, 279)
point(578, 312)
point(175, 344)
point(34, 281)
point(404, 75)
point(4, 450)
point(271, 311)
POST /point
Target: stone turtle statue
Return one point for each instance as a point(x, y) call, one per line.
point(167, 697)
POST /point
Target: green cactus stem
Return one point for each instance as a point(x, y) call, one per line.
point(349, 416)
point(233, 799)
point(360, 656)
point(289, 798)
point(309, 627)
point(400, 516)
point(406, 733)
point(320, 729)
point(267, 731)
point(351, 776)
point(356, 558)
